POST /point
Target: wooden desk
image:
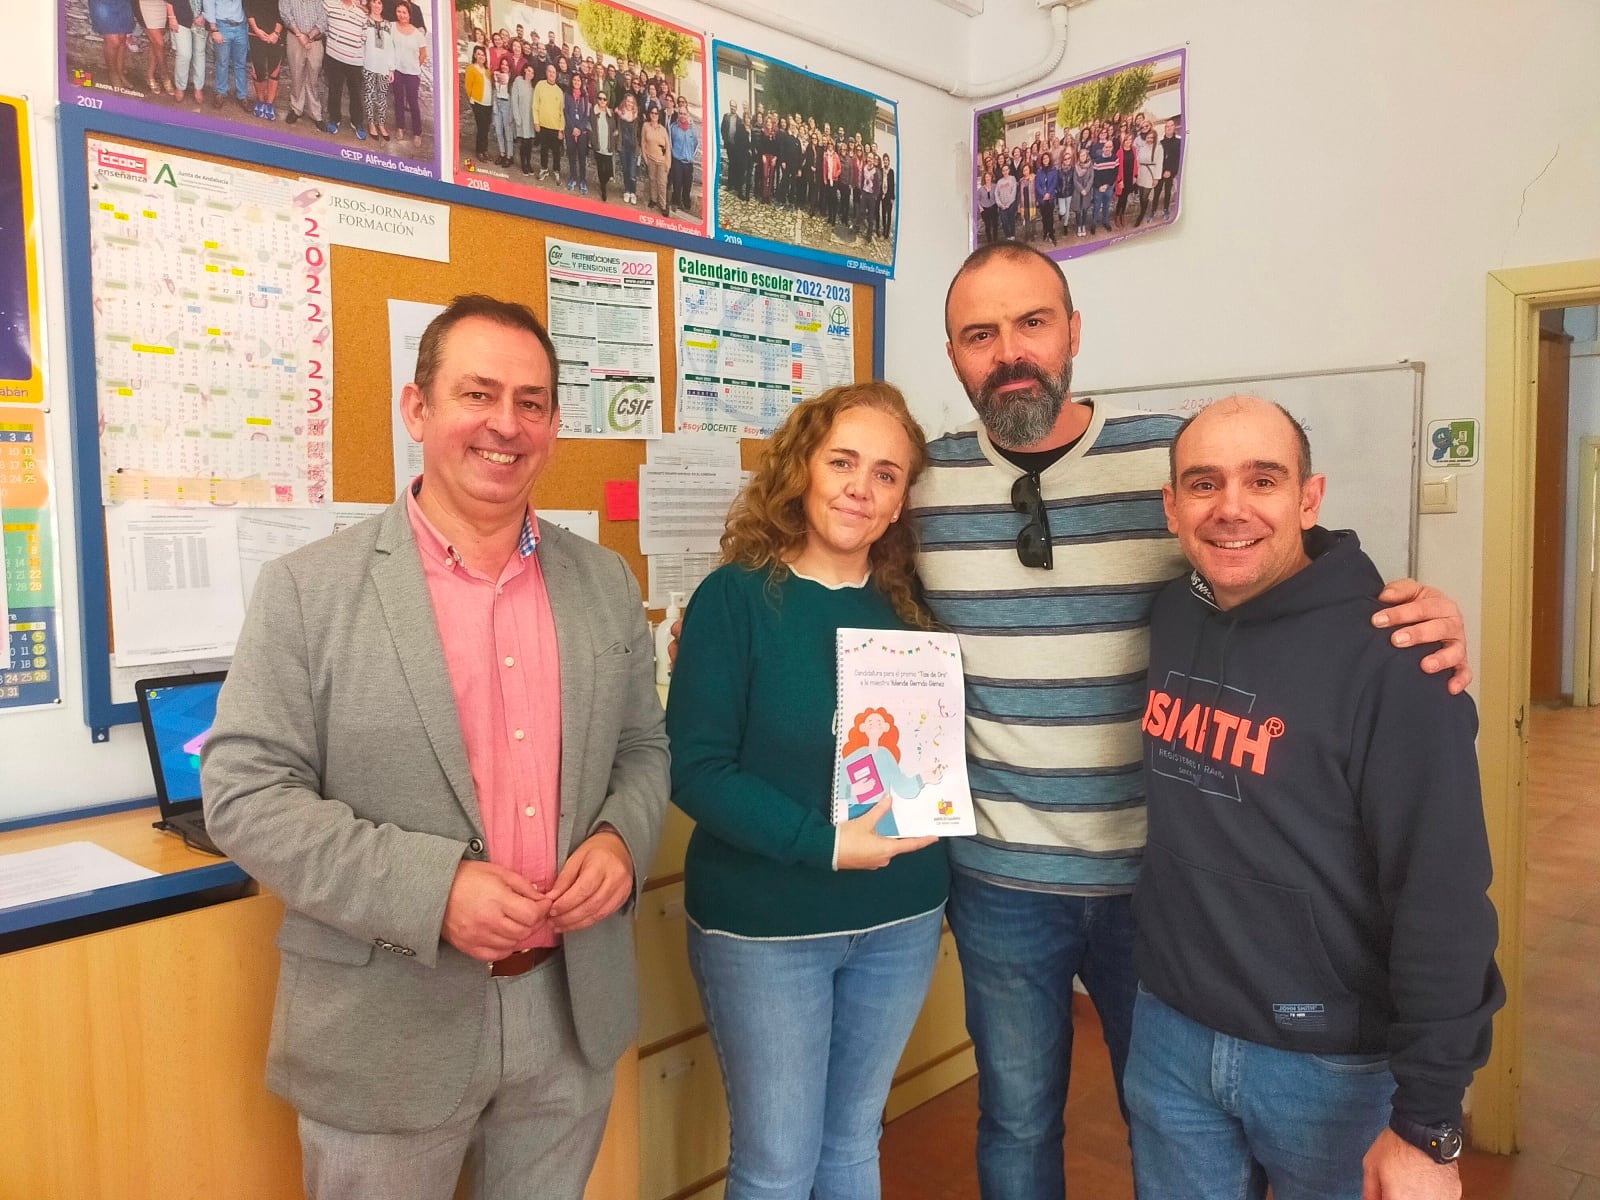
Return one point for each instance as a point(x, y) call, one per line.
point(134, 1059)
point(186, 879)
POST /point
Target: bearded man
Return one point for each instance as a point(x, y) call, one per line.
point(1054, 626)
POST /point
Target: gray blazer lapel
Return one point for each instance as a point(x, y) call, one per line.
point(575, 647)
point(408, 610)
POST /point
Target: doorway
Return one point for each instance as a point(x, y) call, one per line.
point(1515, 300)
point(1567, 423)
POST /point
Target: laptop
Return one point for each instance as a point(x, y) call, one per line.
point(178, 712)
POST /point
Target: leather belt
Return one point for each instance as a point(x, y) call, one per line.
point(522, 961)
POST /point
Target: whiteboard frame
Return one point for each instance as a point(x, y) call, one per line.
point(1416, 368)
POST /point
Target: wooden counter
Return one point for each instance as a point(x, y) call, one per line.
point(134, 1058)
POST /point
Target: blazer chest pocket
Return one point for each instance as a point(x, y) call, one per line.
point(616, 657)
point(302, 935)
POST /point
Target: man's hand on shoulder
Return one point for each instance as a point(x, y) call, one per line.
point(1393, 1169)
point(1419, 614)
point(596, 881)
point(491, 910)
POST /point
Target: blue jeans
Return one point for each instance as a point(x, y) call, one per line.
point(630, 163)
point(231, 54)
point(504, 138)
point(1102, 206)
point(1218, 1118)
point(1019, 951)
point(809, 1032)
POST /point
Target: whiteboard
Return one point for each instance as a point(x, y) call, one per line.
point(1364, 424)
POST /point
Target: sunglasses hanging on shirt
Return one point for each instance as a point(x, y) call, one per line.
point(1034, 548)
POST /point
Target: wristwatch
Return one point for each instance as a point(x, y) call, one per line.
point(1441, 1142)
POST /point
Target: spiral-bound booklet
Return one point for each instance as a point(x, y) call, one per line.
point(901, 732)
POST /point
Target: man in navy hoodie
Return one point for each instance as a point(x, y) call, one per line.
point(1314, 943)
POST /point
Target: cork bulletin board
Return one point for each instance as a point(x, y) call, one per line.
point(496, 245)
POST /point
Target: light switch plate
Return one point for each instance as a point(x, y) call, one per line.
point(1438, 494)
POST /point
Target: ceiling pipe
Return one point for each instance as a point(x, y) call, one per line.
point(759, 14)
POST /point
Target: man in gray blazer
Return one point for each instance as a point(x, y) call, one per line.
point(441, 745)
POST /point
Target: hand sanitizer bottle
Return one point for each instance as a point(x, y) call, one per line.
point(664, 637)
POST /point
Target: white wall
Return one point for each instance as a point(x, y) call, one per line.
point(1353, 171)
point(50, 762)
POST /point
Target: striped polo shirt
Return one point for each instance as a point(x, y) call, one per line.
point(347, 32)
point(1054, 660)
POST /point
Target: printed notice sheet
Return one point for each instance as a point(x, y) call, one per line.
point(668, 573)
point(585, 522)
point(605, 322)
point(754, 341)
point(684, 512)
point(268, 533)
point(213, 331)
point(384, 222)
point(183, 549)
point(68, 870)
point(176, 592)
point(902, 732)
point(408, 320)
point(687, 451)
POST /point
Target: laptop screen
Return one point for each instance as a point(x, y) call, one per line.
point(178, 713)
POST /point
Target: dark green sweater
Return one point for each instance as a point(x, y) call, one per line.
point(750, 717)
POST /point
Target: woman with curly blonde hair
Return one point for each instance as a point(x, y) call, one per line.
point(812, 944)
point(767, 525)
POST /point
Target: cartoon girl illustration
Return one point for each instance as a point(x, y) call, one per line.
point(870, 767)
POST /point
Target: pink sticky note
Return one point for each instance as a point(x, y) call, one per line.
point(622, 500)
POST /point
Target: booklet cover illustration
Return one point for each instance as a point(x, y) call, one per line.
point(901, 732)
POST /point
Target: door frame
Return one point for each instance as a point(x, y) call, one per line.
point(1514, 298)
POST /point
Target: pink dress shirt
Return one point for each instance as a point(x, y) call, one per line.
point(500, 650)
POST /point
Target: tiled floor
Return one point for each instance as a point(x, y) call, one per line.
point(928, 1153)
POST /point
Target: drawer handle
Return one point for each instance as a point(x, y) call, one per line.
point(678, 1069)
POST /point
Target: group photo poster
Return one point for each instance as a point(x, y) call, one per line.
point(592, 106)
point(349, 79)
point(1083, 164)
point(805, 165)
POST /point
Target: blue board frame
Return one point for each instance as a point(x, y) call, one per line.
point(820, 260)
point(77, 123)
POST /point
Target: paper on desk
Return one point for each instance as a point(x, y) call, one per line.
point(678, 573)
point(175, 587)
point(684, 511)
point(67, 870)
point(407, 320)
point(693, 450)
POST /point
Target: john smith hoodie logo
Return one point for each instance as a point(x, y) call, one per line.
point(1210, 731)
